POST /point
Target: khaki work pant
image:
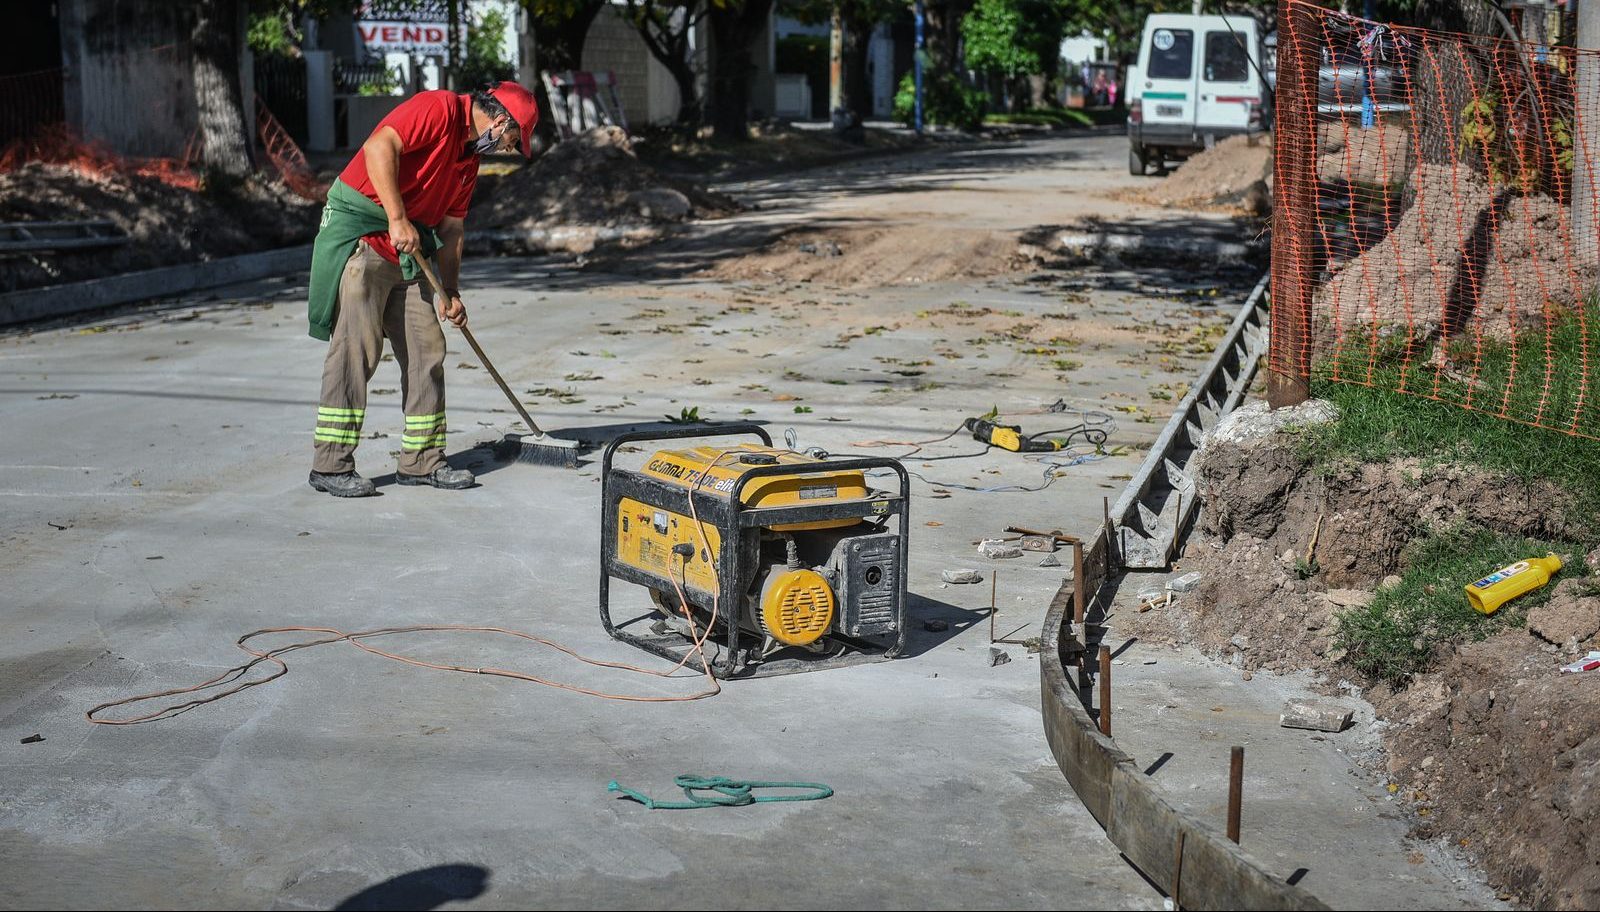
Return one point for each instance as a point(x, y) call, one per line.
point(376, 303)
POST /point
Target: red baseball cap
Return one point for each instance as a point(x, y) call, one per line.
point(523, 109)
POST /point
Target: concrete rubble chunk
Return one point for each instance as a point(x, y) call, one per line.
point(961, 576)
point(995, 549)
point(1315, 716)
point(1185, 583)
point(1255, 421)
point(998, 656)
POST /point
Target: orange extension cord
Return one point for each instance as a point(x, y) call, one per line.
point(355, 639)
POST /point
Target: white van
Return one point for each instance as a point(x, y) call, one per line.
point(1197, 81)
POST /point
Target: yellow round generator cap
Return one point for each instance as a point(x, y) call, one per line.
point(797, 607)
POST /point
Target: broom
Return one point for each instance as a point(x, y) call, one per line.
point(537, 447)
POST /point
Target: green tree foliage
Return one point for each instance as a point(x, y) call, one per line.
point(485, 60)
point(945, 100)
point(1014, 37)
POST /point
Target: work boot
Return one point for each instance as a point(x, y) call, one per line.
point(442, 477)
point(343, 484)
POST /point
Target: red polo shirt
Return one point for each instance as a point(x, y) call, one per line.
point(436, 178)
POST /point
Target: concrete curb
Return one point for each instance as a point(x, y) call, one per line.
point(1099, 243)
point(76, 297)
point(1139, 818)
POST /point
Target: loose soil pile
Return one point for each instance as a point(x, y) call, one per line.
point(1464, 254)
point(166, 225)
point(593, 179)
point(1496, 748)
point(885, 255)
point(1236, 173)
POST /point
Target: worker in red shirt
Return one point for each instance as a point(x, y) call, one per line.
point(404, 195)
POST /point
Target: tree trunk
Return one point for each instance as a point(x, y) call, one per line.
point(452, 61)
point(944, 33)
point(218, 99)
point(683, 76)
point(670, 47)
point(733, 30)
point(857, 45)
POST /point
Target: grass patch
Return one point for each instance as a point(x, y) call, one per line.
point(1395, 402)
point(1394, 637)
point(1044, 117)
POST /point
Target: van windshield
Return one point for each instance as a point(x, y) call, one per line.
point(1171, 54)
point(1226, 60)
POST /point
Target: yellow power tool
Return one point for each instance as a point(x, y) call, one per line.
point(1009, 437)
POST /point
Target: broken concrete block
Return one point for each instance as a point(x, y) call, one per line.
point(659, 204)
point(998, 656)
point(1325, 717)
point(1050, 560)
point(995, 549)
point(961, 576)
point(1038, 543)
point(1185, 583)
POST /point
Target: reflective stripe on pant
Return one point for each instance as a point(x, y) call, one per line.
point(376, 304)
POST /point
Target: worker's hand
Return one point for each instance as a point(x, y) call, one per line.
point(403, 235)
point(453, 310)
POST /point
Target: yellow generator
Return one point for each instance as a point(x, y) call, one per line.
point(797, 556)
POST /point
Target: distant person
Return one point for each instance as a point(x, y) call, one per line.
point(405, 194)
point(1111, 92)
point(1099, 87)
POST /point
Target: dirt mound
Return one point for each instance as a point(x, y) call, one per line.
point(1464, 253)
point(1503, 752)
point(1347, 153)
point(592, 179)
point(888, 255)
point(1234, 173)
point(166, 224)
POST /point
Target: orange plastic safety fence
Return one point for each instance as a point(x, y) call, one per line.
point(1437, 223)
point(286, 157)
point(56, 143)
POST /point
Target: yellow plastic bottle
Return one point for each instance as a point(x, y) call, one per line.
point(1505, 584)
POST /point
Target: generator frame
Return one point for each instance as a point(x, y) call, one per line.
point(738, 551)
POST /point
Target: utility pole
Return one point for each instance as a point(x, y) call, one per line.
point(916, 63)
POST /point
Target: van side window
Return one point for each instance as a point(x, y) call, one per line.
point(1226, 60)
point(1171, 54)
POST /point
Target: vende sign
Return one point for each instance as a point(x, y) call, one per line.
point(411, 37)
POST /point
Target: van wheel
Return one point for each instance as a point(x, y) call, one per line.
point(1136, 162)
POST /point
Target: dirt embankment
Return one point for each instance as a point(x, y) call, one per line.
point(165, 224)
point(1492, 746)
